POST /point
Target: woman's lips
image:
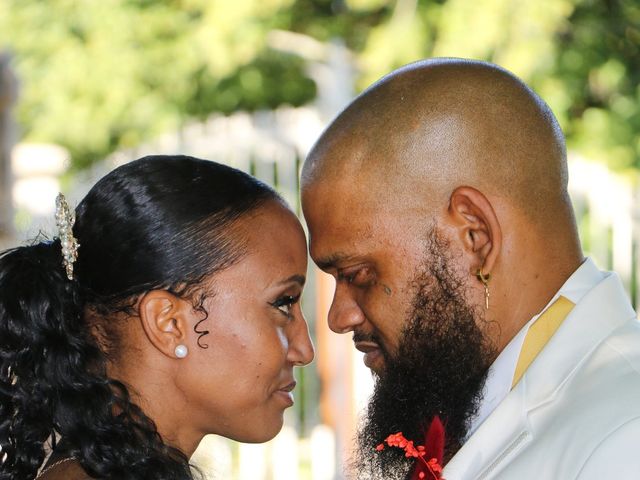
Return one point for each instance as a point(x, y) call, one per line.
point(285, 393)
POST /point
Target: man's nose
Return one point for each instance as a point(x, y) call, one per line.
point(345, 313)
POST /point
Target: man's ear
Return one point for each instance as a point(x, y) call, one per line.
point(477, 225)
point(165, 320)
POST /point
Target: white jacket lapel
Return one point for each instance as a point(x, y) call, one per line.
point(507, 430)
point(499, 437)
point(605, 308)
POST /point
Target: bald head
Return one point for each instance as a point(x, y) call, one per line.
point(450, 153)
point(434, 125)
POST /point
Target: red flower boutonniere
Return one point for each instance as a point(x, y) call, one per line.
point(433, 450)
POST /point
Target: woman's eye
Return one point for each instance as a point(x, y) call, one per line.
point(286, 303)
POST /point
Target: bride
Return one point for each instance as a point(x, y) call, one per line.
point(168, 311)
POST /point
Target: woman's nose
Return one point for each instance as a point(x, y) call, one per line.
point(301, 351)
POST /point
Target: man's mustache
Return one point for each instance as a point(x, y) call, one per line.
point(366, 337)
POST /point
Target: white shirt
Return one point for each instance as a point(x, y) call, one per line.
point(500, 376)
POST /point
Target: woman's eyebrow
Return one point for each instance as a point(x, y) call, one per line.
point(299, 279)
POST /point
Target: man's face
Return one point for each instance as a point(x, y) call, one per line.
point(372, 252)
point(439, 369)
point(401, 289)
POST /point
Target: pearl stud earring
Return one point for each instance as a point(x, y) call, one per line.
point(181, 351)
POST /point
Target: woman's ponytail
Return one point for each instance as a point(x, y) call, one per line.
point(44, 349)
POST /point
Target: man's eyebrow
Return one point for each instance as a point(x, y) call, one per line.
point(330, 261)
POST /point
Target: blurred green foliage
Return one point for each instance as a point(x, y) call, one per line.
point(102, 74)
point(598, 60)
point(98, 75)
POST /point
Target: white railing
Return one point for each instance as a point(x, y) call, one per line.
point(287, 457)
point(608, 214)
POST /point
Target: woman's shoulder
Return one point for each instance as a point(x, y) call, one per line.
point(65, 470)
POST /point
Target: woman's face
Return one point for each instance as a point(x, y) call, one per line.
point(240, 385)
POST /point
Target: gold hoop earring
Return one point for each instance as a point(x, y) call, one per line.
point(484, 279)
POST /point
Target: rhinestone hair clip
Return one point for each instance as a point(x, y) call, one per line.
point(65, 218)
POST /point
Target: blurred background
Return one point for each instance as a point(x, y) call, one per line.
point(86, 85)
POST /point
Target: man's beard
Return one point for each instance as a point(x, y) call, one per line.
point(439, 369)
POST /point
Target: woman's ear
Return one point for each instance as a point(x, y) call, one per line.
point(165, 320)
point(478, 227)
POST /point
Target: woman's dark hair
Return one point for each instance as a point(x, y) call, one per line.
point(160, 222)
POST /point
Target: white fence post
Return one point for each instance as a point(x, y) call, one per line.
point(8, 96)
point(285, 457)
point(252, 462)
point(608, 200)
point(214, 458)
point(323, 453)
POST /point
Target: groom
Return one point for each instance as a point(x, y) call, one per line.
point(438, 201)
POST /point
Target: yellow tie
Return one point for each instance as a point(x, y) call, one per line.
point(539, 334)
